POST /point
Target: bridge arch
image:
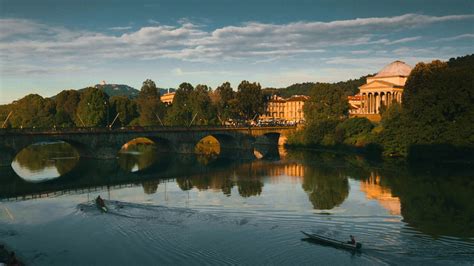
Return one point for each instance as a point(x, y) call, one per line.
point(266, 146)
point(140, 153)
point(213, 146)
point(42, 161)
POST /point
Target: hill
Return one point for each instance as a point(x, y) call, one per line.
point(350, 87)
point(117, 90)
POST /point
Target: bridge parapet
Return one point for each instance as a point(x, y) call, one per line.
point(134, 129)
point(104, 143)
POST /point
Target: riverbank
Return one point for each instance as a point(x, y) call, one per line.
point(8, 257)
point(427, 153)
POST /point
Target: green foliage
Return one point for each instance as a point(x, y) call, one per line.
point(326, 102)
point(4, 111)
point(226, 103)
point(446, 93)
point(180, 113)
point(354, 131)
point(250, 100)
point(350, 87)
point(320, 132)
point(393, 138)
point(204, 112)
point(436, 109)
point(33, 111)
point(126, 109)
point(150, 108)
point(66, 105)
point(92, 108)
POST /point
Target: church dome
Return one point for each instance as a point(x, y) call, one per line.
point(397, 68)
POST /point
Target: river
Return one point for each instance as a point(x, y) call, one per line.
point(176, 209)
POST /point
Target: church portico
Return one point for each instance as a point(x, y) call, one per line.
point(383, 89)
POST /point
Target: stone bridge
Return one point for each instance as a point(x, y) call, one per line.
point(103, 143)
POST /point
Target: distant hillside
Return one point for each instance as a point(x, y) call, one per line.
point(117, 90)
point(350, 86)
point(122, 90)
point(163, 91)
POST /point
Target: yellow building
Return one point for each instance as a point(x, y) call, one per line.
point(288, 110)
point(167, 98)
point(382, 90)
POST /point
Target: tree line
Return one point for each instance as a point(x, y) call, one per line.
point(92, 107)
point(435, 118)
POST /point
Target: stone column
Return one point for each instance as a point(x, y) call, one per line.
point(369, 102)
point(377, 103)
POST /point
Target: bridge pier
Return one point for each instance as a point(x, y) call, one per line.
point(100, 152)
point(238, 148)
point(6, 157)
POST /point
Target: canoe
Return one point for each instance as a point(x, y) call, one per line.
point(101, 207)
point(333, 242)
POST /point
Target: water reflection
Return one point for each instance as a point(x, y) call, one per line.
point(137, 156)
point(207, 149)
point(436, 200)
point(45, 161)
point(326, 187)
point(374, 190)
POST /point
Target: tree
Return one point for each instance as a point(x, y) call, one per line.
point(354, 131)
point(150, 107)
point(439, 97)
point(180, 113)
point(33, 111)
point(204, 112)
point(125, 108)
point(92, 108)
point(436, 111)
point(66, 105)
point(224, 104)
point(326, 102)
point(250, 99)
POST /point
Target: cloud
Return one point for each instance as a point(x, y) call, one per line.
point(23, 41)
point(404, 40)
point(121, 28)
point(177, 71)
point(456, 38)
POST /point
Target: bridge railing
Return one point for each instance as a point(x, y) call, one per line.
point(59, 130)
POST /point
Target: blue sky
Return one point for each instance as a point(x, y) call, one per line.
point(48, 46)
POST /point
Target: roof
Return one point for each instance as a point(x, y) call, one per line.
point(397, 68)
point(354, 98)
point(381, 82)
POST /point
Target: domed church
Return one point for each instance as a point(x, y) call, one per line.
point(382, 89)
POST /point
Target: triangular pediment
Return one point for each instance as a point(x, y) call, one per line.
point(376, 84)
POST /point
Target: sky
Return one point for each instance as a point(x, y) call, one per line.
point(51, 45)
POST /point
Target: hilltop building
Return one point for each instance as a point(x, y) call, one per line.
point(167, 98)
point(382, 89)
point(287, 110)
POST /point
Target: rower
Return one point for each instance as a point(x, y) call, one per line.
point(100, 201)
point(353, 241)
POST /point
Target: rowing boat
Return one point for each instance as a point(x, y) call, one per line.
point(100, 204)
point(333, 242)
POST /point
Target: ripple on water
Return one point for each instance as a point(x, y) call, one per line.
point(178, 232)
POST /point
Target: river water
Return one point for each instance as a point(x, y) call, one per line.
point(170, 209)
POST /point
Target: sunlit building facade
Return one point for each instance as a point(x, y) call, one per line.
point(380, 90)
point(167, 98)
point(285, 109)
